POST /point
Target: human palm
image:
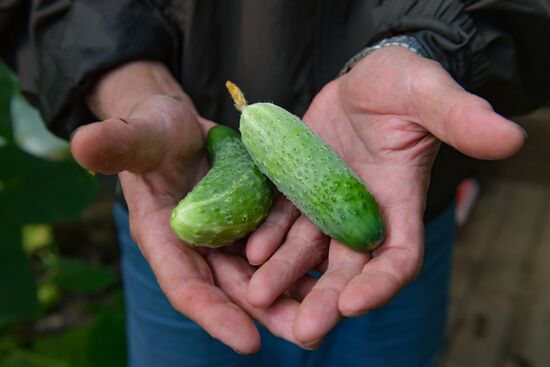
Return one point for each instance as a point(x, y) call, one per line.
point(158, 153)
point(385, 118)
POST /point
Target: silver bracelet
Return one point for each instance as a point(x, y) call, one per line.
point(408, 42)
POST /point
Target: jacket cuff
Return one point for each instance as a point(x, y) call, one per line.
point(408, 42)
point(81, 42)
point(445, 31)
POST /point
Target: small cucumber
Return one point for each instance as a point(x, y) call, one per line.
point(309, 173)
point(229, 202)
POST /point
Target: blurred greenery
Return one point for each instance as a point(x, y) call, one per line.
point(7, 86)
point(55, 310)
point(80, 277)
point(31, 134)
point(97, 343)
point(37, 190)
point(18, 299)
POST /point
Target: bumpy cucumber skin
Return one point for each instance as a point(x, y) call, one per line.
point(311, 175)
point(229, 202)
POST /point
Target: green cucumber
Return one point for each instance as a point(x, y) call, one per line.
point(229, 202)
point(309, 173)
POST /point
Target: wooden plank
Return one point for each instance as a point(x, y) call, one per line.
point(472, 245)
point(529, 344)
point(470, 251)
point(491, 303)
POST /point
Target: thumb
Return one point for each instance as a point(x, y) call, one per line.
point(468, 122)
point(117, 145)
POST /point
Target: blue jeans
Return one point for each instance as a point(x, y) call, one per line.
point(408, 331)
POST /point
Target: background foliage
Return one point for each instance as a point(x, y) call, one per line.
point(60, 303)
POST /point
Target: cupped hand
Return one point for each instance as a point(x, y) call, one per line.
point(385, 118)
point(157, 150)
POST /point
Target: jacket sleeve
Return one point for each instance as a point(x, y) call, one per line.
point(59, 47)
point(494, 48)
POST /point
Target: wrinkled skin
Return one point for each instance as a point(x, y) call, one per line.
point(156, 146)
point(386, 119)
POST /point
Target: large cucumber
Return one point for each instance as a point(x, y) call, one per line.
point(309, 173)
point(230, 201)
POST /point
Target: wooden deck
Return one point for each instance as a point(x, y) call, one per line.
point(500, 313)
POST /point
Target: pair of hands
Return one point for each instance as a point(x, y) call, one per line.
point(385, 118)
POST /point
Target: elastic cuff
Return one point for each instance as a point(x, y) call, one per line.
point(444, 28)
point(408, 42)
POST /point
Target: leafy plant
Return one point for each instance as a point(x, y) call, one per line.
point(36, 192)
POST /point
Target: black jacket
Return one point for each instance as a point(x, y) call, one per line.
point(278, 50)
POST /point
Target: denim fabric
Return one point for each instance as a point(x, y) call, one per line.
point(408, 331)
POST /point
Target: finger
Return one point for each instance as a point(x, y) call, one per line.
point(232, 274)
point(304, 247)
point(380, 280)
point(465, 121)
point(205, 125)
point(116, 145)
point(393, 265)
point(185, 278)
point(319, 312)
point(265, 240)
point(211, 308)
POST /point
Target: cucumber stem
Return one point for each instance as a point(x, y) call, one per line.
point(237, 95)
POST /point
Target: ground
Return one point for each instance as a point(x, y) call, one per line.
point(500, 304)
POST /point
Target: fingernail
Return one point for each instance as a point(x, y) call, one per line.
point(354, 314)
point(242, 354)
point(524, 132)
point(312, 345)
point(255, 263)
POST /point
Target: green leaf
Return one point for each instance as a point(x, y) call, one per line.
point(18, 299)
point(31, 133)
point(96, 344)
point(36, 237)
point(7, 345)
point(35, 190)
point(49, 295)
point(80, 277)
point(71, 347)
point(6, 91)
point(107, 343)
point(23, 358)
